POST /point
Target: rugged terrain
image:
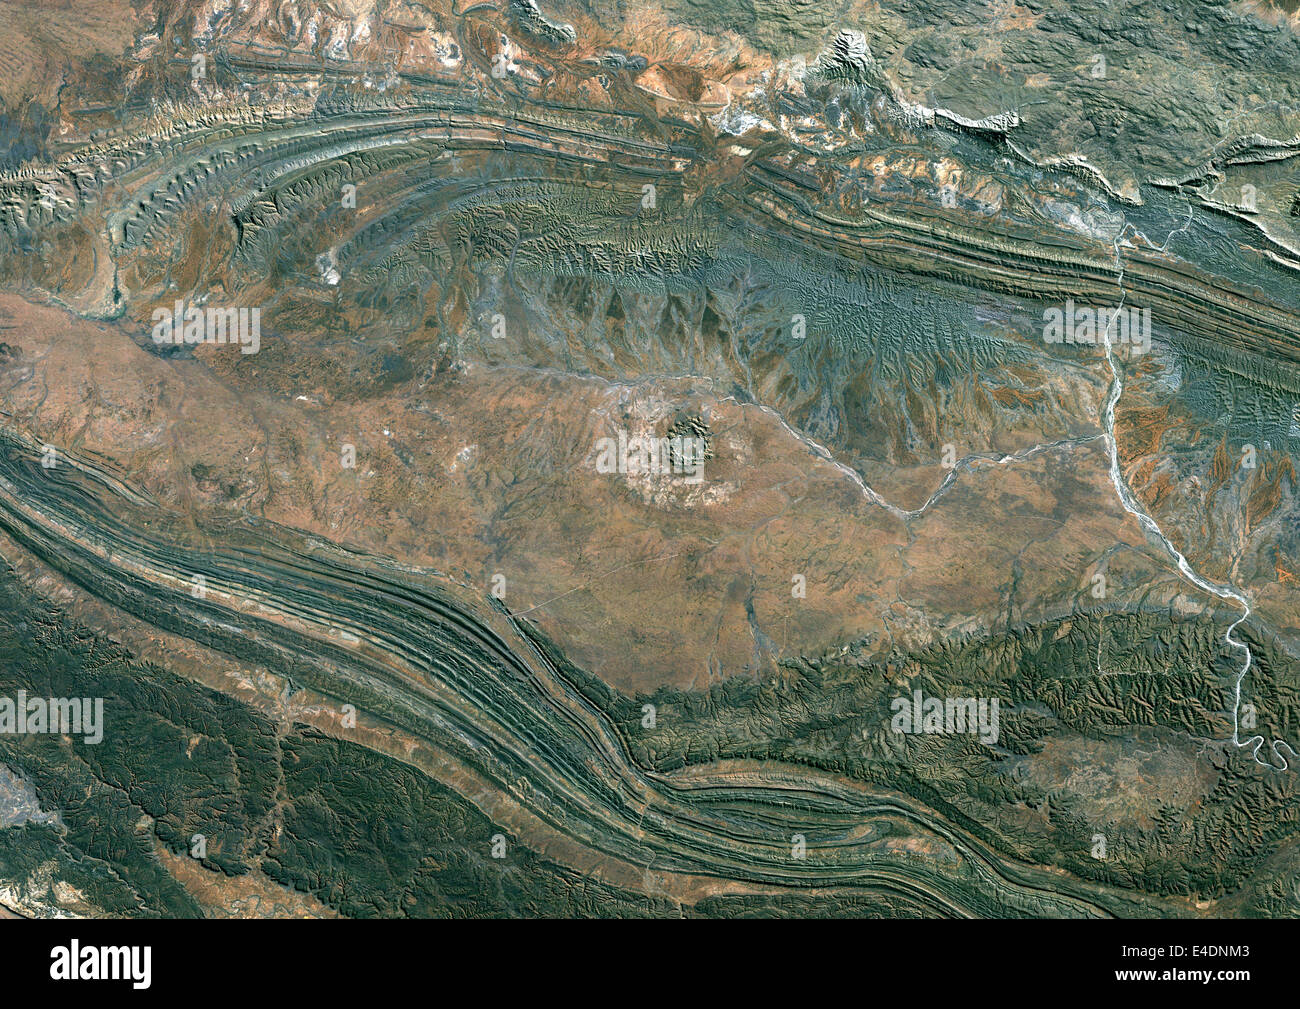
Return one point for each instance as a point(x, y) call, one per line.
point(378, 634)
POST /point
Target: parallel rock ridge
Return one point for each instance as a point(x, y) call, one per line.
point(548, 459)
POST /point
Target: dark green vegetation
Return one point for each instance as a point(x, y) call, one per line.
point(360, 831)
point(355, 823)
point(914, 193)
point(364, 833)
point(831, 713)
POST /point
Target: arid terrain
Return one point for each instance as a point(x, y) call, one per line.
point(547, 459)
